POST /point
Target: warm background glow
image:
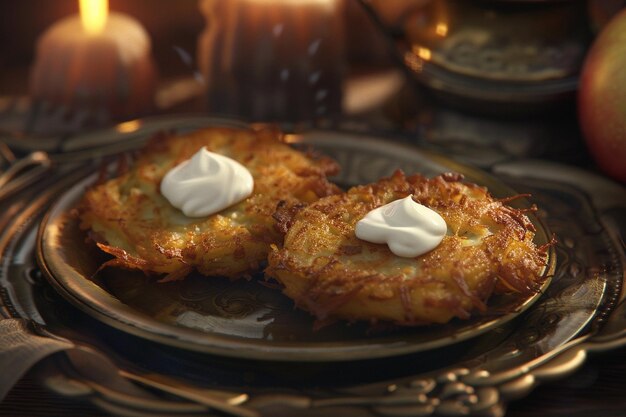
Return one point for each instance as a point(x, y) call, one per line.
point(441, 29)
point(93, 14)
point(423, 53)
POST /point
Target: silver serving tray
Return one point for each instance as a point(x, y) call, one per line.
point(580, 312)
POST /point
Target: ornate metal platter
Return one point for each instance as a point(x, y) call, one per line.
point(243, 318)
point(581, 311)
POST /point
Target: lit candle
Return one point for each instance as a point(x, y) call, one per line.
point(97, 62)
point(279, 60)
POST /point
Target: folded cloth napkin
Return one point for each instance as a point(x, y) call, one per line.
point(21, 348)
point(23, 343)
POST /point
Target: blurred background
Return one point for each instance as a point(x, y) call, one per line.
point(172, 26)
point(482, 80)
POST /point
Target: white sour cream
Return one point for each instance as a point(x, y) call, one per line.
point(206, 184)
point(408, 228)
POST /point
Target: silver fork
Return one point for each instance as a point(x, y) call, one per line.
point(18, 117)
point(23, 172)
point(7, 156)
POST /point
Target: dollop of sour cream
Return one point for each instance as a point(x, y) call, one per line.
point(408, 228)
point(206, 184)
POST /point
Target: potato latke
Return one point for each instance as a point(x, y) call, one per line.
point(130, 219)
point(331, 273)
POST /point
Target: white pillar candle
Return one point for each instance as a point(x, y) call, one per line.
point(99, 63)
point(273, 60)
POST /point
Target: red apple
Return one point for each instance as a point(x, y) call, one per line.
point(602, 98)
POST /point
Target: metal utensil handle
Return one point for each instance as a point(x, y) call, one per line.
point(24, 172)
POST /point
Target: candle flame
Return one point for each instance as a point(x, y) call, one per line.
point(93, 15)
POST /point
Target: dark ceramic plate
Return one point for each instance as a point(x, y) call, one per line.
point(243, 318)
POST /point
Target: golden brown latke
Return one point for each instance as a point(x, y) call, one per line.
point(331, 273)
point(131, 220)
